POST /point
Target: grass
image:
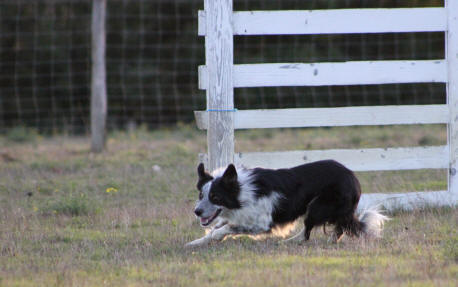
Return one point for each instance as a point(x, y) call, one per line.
point(72, 218)
point(21, 134)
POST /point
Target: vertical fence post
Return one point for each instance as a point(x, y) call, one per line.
point(220, 91)
point(98, 84)
point(2, 124)
point(452, 91)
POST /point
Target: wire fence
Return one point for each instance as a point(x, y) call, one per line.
point(152, 56)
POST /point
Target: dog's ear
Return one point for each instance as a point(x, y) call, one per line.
point(201, 171)
point(204, 177)
point(230, 175)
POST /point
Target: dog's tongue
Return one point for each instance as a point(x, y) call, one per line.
point(204, 220)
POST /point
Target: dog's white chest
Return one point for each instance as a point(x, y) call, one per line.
point(255, 214)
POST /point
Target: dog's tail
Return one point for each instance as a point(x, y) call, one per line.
point(372, 222)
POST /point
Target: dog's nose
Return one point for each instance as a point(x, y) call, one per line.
point(198, 211)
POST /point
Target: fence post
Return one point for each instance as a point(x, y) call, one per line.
point(452, 91)
point(220, 91)
point(98, 84)
point(2, 124)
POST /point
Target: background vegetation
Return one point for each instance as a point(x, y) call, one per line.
point(152, 56)
point(121, 218)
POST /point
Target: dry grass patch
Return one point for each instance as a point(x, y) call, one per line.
point(60, 227)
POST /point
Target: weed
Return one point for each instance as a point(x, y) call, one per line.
point(450, 247)
point(356, 141)
point(73, 205)
point(21, 134)
point(426, 140)
point(45, 190)
point(431, 185)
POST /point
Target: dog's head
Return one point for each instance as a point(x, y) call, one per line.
point(216, 194)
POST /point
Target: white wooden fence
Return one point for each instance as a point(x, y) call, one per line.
point(218, 23)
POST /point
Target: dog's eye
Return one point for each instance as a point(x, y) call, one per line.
point(200, 195)
point(214, 197)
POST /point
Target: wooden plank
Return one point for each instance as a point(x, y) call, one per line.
point(201, 25)
point(358, 159)
point(203, 77)
point(407, 201)
point(220, 91)
point(334, 74)
point(340, 21)
point(98, 84)
point(371, 159)
point(452, 91)
point(337, 21)
point(343, 116)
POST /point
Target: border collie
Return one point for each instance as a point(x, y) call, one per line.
point(258, 201)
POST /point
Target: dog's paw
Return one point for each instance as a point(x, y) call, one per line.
point(192, 244)
point(334, 238)
point(198, 242)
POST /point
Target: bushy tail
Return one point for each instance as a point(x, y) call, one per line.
point(373, 221)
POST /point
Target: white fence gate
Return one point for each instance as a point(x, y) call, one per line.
point(218, 23)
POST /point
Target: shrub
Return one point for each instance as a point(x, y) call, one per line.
point(71, 205)
point(21, 134)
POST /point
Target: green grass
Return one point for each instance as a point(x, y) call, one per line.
point(21, 134)
point(60, 227)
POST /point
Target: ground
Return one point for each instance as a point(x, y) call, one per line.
point(121, 218)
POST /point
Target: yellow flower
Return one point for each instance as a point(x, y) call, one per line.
point(111, 189)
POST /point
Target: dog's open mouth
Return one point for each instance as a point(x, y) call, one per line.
point(205, 221)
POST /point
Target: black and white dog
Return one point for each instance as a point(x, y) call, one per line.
point(256, 201)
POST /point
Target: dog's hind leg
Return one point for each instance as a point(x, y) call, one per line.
point(336, 235)
point(318, 212)
point(324, 229)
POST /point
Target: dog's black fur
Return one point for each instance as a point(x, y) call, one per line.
point(324, 191)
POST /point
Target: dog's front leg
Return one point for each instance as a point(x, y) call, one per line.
point(220, 233)
point(220, 224)
point(217, 233)
point(201, 241)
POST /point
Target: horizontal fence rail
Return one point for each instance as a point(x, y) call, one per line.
point(408, 201)
point(325, 117)
point(337, 21)
point(371, 159)
point(334, 74)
